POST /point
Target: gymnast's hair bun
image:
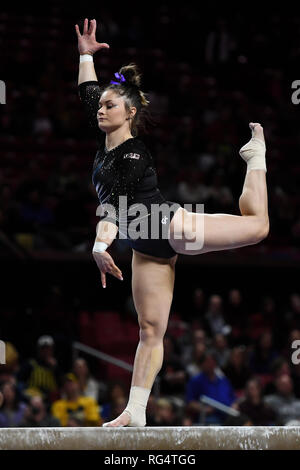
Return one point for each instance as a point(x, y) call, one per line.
point(131, 74)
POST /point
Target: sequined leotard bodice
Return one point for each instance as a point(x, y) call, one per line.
point(126, 170)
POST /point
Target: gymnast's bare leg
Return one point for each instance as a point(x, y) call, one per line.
point(225, 231)
point(153, 279)
point(152, 288)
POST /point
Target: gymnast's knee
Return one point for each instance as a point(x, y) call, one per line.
point(151, 331)
point(262, 232)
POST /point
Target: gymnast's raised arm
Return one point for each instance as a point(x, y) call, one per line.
point(87, 44)
point(89, 95)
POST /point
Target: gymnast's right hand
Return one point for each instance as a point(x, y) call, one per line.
point(87, 43)
point(106, 264)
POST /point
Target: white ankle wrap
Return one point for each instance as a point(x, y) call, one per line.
point(254, 154)
point(136, 407)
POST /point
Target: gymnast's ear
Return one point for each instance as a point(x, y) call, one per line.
point(131, 112)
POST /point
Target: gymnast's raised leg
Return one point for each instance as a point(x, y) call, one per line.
point(194, 233)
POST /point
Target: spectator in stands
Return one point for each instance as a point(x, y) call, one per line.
point(12, 409)
point(280, 366)
point(221, 349)
point(9, 370)
point(188, 344)
point(89, 386)
point(264, 318)
point(253, 405)
point(197, 309)
point(262, 357)
point(194, 367)
point(234, 303)
point(115, 392)
point(272, 319)
point(36, 415)
point(237, 369)
point(187, 418)
point(212, 383)
point(292, 314)
point(117, 407)
point(237, 314)
point(172, 373)
point(84, 409)
point(165, 413)
point(74, 422)
point(41, 375)
point(214, 316)
point(283, 401)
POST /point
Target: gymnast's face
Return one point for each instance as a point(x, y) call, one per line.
point(113, 112)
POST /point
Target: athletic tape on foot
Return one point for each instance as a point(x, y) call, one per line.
point(254, 154)
point(136, 408)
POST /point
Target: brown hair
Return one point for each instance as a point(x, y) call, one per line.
point(133, 96)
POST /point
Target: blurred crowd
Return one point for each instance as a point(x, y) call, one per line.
point(207, 77)
point(242, 355)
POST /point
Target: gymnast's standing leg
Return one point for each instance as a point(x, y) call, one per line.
point(152, 289)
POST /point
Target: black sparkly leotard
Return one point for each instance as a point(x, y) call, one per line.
point(127, 170)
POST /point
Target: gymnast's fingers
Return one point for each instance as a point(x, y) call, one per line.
point(103, 279)
point(77, 30)
point(93, 27)
point(115, 271)
point(85, 26)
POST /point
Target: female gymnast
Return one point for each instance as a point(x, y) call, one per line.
point(123, 167)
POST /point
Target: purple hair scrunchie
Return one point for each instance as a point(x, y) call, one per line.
point(120, 79)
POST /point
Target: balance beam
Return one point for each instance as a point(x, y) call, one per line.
point(152, 438)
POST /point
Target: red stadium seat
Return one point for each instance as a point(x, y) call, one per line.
point(109, 331)
point(114, 372)
point(86, 330)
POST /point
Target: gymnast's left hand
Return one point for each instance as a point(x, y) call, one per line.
point(106, 265)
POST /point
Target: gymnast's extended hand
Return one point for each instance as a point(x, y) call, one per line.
point(106, 264)
point(87, 43)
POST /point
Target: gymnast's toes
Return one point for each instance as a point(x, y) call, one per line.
point(257, 131)
point(122, 420)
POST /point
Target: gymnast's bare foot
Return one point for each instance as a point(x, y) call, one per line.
point(257, 131)
point(122, 420)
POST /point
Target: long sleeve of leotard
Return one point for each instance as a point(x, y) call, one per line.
point(89, 94)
